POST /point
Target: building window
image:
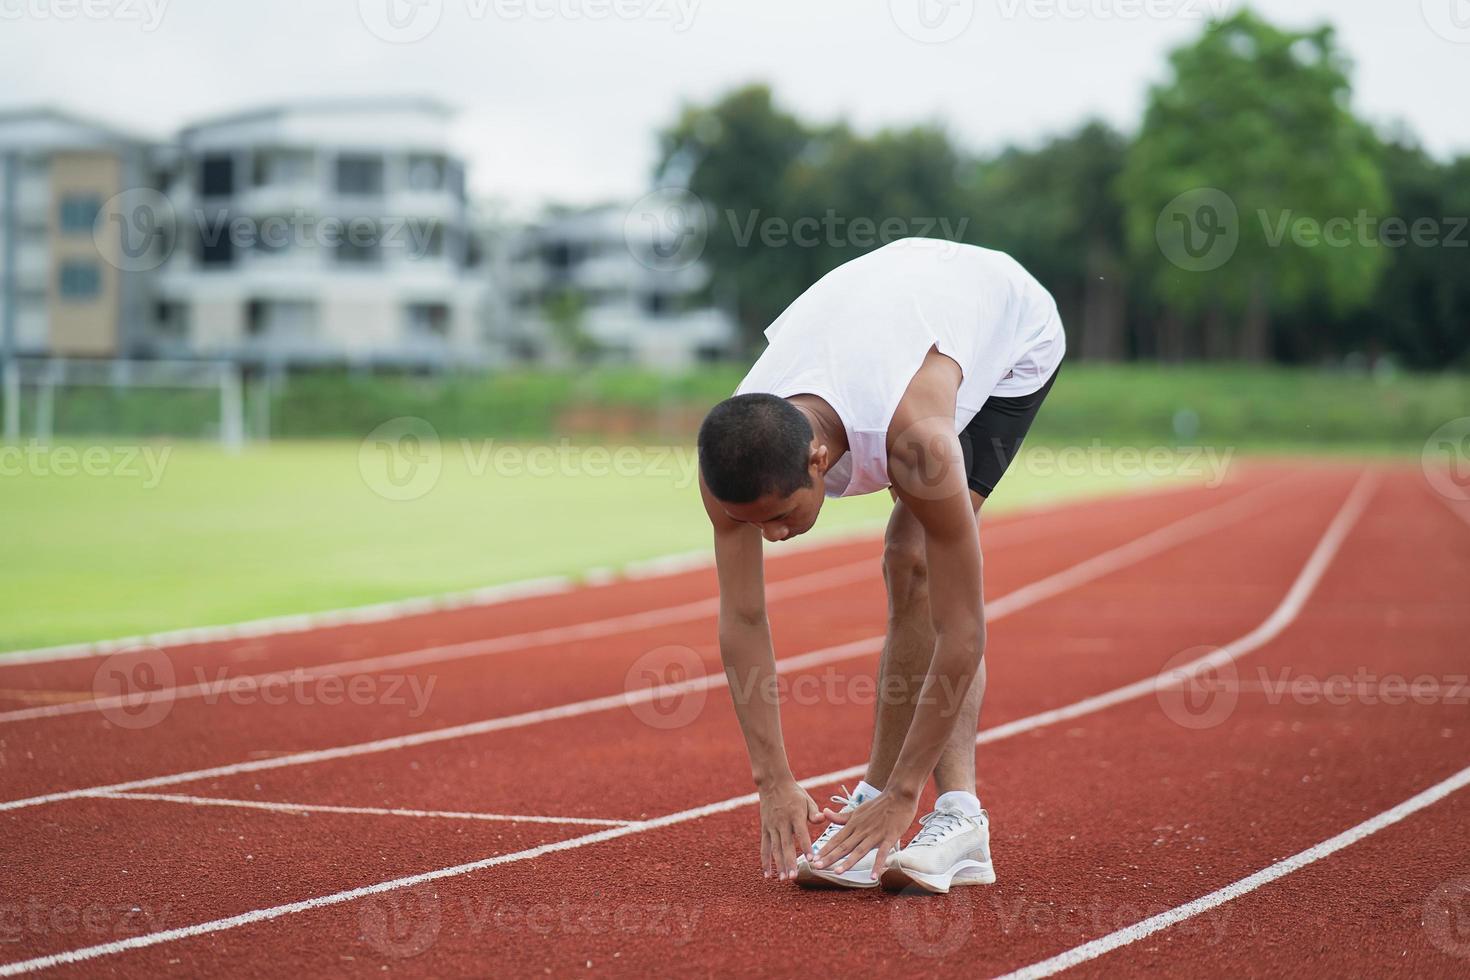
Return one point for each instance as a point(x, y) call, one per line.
point(428, 320)
point(215, 250)
point(359, 175)
point(282, 168)
point(79, 212)
point(360, 245)
point(280, 319)
point(172, 319)
point(216, 175)
point(426, 172)
point(79, 280)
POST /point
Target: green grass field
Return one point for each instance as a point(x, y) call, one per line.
point(204, 538)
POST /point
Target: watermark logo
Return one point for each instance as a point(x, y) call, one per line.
point(400, 924)
point(664, 689)
point(400, 21)
point(147, 13)
point(133, 230)
point(932, 21)
point(1199, 230)
point(401, 459)
point(1446, 917)
point(1198, 688)
point(1446, 460)
point(1450, 19)
point(666, 229)
point(135, 687)
point(931, 929)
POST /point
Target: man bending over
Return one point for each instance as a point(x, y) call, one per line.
point(916, 368)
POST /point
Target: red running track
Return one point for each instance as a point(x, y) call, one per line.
point(1105, 816)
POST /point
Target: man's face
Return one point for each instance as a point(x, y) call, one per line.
point(781, 518)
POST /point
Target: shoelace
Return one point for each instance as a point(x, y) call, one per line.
point(937, 825)
point(848, 803)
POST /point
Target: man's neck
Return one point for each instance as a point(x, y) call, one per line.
point(827, 428)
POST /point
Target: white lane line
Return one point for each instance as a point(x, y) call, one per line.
point(551, 636)
point(1163, 539)
point(371, 811)
point(1306, 581)
point(796, 586)
point(1132, 934)
point(645, 568)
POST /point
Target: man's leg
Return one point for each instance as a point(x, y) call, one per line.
point(907, 651)
point(956, 767)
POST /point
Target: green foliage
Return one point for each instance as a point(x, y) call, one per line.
point(1261, 114)
point(789, 202)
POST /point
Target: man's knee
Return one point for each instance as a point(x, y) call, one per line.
point(907, 574)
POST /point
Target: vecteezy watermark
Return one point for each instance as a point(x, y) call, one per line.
point(667, 229)
point(1450, 19)
point(1208, 463)
point(401, 459)
point(1446, 460)
point(137, 688)
point(148, 14)
point(932, 21)
point(407, 21)
point(135, 230)
point(677, 464)
point(667, 687)
point(1446, 917)
point(1019, 915)
point(1201, 687)
point(1199, 230)
point(37, 918)
point(138, 229)
point(833, 230)
point(404, 924)
point(932, 929)
point(145, 464)
point(1362, 230)
point(400, 924)
point(1101, 10)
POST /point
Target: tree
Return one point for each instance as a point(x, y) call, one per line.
point(1256, 120)
point(736, 157)
point(1055, 210)
point(788, 201)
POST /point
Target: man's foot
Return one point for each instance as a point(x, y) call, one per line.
point(952, 849)
point(859, 875)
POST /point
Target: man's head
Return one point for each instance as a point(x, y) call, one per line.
point(760, 461)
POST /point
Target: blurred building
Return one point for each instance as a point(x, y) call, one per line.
point(321, 232)
point(591, 283)
point(58, 293)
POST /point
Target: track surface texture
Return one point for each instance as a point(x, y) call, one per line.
point(1227, 734)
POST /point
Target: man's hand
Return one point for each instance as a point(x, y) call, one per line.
point(786, 809)
point(879, 823)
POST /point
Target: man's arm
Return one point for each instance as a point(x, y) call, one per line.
point(925, 467)
point(750, 666)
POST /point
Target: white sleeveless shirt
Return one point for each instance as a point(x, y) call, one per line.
point(858, 336)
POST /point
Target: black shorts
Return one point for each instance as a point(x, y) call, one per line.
point(994, 435)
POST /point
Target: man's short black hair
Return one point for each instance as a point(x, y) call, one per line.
point(752, 445)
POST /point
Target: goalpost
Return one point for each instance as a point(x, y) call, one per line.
point(33, 386)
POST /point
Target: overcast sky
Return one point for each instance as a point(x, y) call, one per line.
point(559, 99)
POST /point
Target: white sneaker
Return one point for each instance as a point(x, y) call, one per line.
point(952, 849)
point(859, 875)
